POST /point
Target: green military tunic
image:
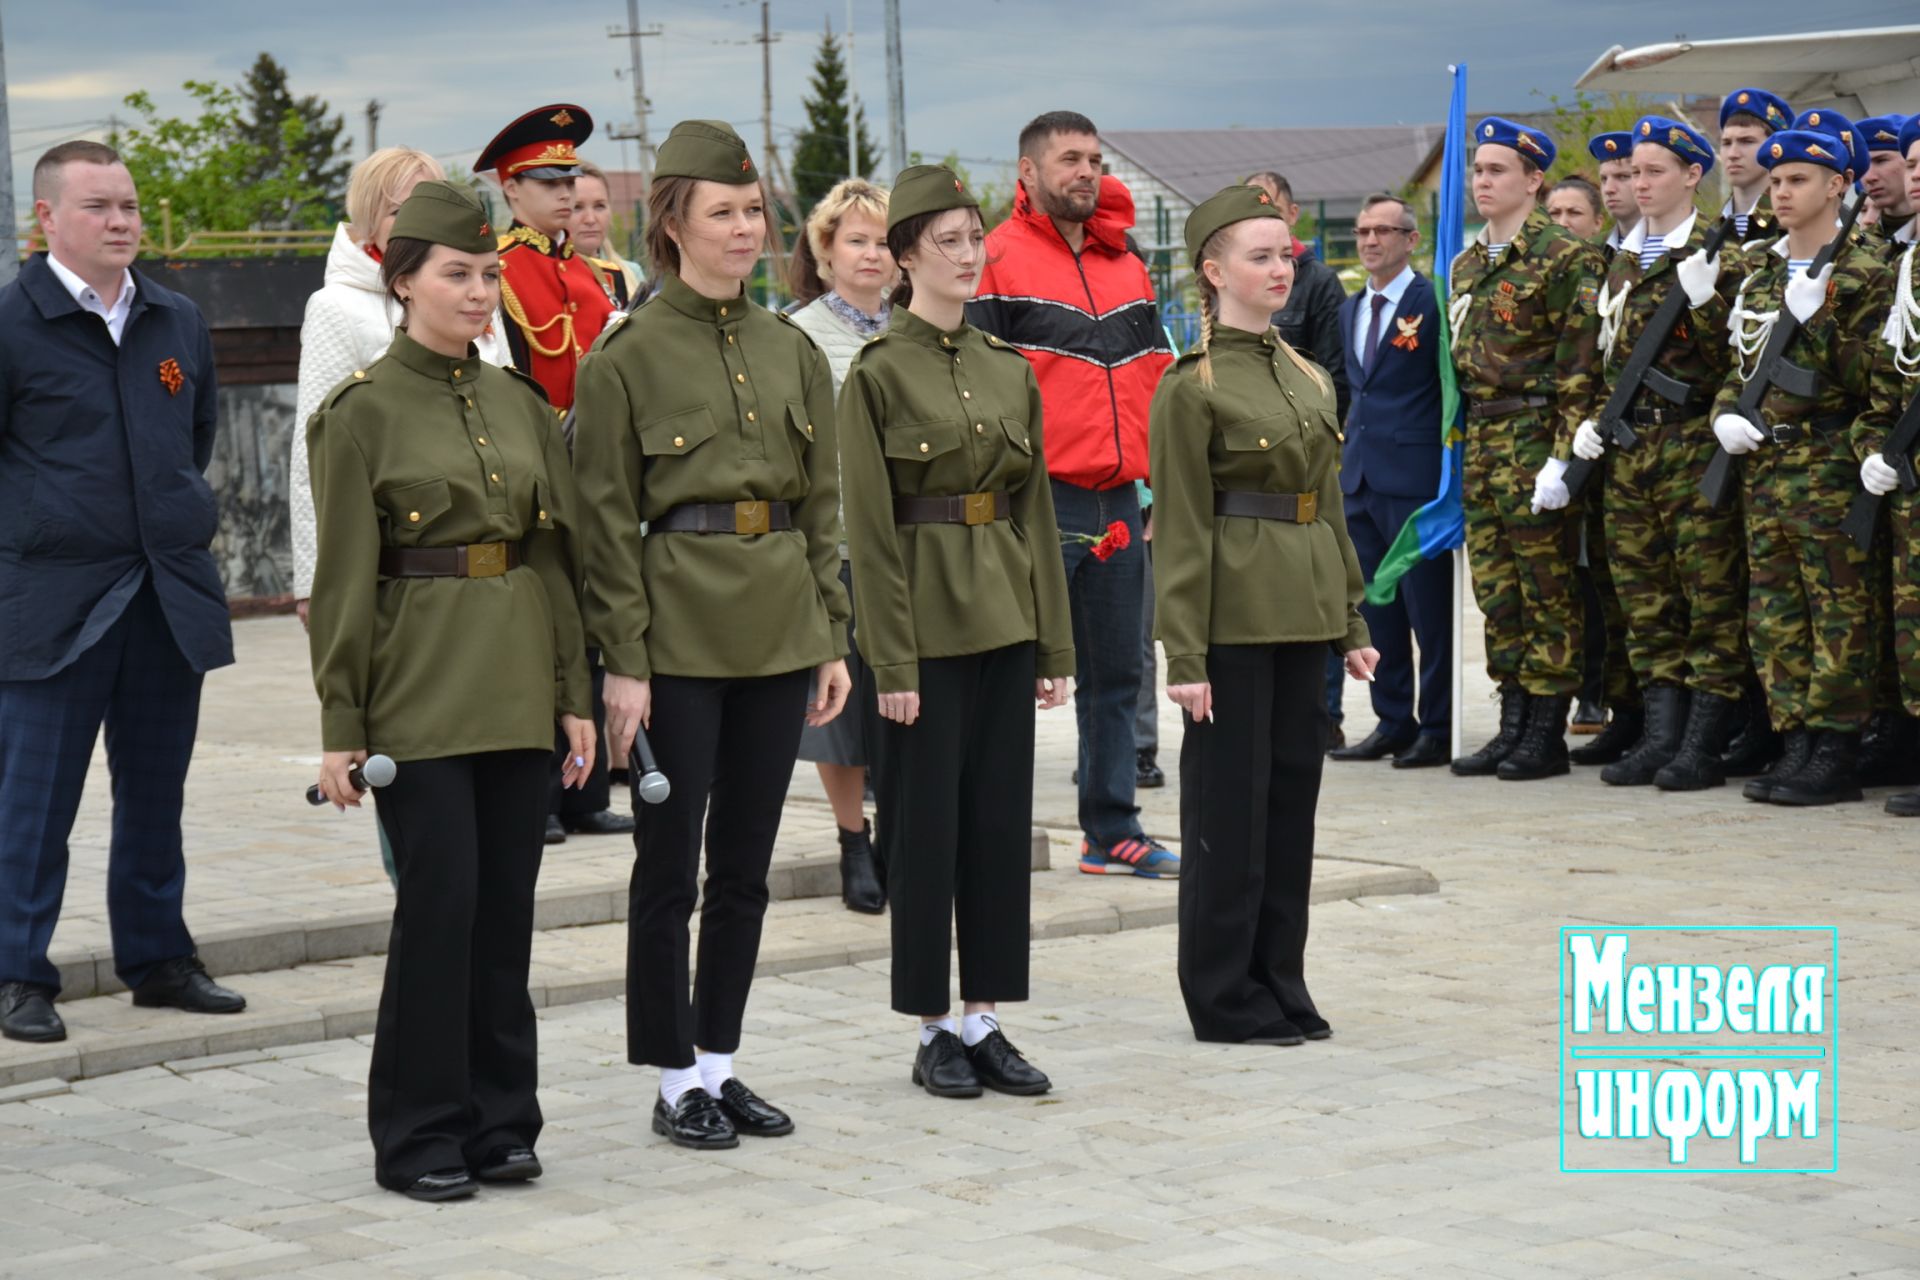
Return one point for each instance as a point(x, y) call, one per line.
point(1265, 426)
point(926, 413)
point(422, 451)
point(690, 400)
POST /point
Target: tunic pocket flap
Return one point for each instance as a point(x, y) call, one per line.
point(799, 419)
point(1256, 433)
point(677, 433)
point(1017, 433)
point(922, 441)
point(409, 508)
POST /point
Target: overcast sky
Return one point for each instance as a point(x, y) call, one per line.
point(451, 75)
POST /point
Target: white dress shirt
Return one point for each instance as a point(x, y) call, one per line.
point(89, 299)
point(1363, 314)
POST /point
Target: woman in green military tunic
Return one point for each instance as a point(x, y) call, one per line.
point(445, 632)
point(1254, 577)
point(709, 420)
point(964, 622)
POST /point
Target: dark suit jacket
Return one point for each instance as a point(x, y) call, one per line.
point(101, 484)
point(1393, 426)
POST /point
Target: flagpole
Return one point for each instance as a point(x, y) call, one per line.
point(1458, 674)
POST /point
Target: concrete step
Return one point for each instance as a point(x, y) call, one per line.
point(329, 998)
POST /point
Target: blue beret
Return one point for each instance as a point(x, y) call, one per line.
point(1769, 108)
point(1531, 143)
point(1882, 133)
point(1909, 134)
point(1676, 136)
point(1805, 146)
point(1611, 146)
point(1830, 122)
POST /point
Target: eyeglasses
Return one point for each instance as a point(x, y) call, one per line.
point(1370, 233)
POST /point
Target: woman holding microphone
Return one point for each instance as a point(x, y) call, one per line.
point(445, 634)
point(709, 420)
point(1254, 578)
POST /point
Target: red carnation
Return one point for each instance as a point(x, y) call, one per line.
point(1117, 539)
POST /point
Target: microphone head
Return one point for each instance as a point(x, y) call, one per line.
point(654, 787)
point(378, 770)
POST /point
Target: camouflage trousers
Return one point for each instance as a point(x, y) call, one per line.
point(1678, 564)
point(1903, 526)
point(1886, 669)
point(1523, 563)
point(1809, 613)
point(1620, 688)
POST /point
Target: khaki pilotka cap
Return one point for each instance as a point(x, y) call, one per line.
point(442, 213)
point(706, 149)
point(926, 188)
point(1222, 209)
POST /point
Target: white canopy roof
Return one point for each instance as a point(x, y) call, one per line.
point(1867, 72)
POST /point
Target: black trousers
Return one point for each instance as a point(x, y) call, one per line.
point(728, 747)
point(596, 794)
point(955, 815)
point(1249, 785)
point(454, 1058)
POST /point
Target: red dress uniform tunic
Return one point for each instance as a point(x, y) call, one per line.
point(555, 303)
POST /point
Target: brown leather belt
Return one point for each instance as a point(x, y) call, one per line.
point(724, 517)
point(1501, 408)
point(959, 508)
point(1794, 432)
point(476, 560)
point(1299, 508)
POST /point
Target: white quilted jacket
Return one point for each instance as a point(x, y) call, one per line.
point(349, 324)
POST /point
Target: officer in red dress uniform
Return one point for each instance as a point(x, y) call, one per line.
point(555, 300)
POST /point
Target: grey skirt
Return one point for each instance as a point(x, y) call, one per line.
point(843, 740)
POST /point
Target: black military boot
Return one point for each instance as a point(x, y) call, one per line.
point(1666, 724)
point(1890, 751)
point(1831, 773)
point(1755, 746)
point(1796, 748)
point(1621, 735)
point(1542, 752)
point(1697, 766)
point(1904, 805)
point(1513, 719)
point(860, 886)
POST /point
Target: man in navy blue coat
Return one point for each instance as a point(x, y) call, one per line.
point(1391, 466)
point(111, 608)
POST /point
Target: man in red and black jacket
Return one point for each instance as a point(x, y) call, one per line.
point(1061, 287)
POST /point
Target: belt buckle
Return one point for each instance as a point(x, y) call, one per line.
point(978, 509)
point(752, 517)
point(1783, 432)
point(486, 559)
point(1306, 508)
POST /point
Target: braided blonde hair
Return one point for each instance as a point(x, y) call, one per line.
point(1211, 251)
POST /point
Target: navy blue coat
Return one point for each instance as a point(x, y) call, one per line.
point(101, 484)
point(1393, 423)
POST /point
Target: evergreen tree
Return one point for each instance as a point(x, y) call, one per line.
point(820, 152)
point(295, 139)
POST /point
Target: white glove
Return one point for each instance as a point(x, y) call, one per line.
point(1735, 434)
point(1877, 478)
point(1698, 274)
point(1587, 442)
point(1549, 490)
point(1807, 294)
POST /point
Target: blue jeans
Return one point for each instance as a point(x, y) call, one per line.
point(1105, 598)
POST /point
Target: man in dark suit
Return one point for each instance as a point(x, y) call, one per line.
point(1390, 468)
point(111, 609)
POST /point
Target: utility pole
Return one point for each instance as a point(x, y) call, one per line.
point(776, 239)
point(373, 124)
point(896, 92)
point(633, 35)
point(853, 128)
point(10, 253)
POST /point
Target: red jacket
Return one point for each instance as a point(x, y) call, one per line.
point(1091, 327)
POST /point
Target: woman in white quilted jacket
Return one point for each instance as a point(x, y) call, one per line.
point(349, 322)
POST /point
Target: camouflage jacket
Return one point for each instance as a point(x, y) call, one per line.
point(1695, 353)
point(1529, 324)
point(1879, 237)
point(1896, 367)
point(1838, 345)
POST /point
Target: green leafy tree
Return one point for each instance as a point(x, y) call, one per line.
point(820, 151)
point(996, 201)
point(296, 139)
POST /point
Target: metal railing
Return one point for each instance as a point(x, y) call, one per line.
point(204, 244)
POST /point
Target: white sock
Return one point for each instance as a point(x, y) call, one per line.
point(976, 1027)
point(715, 1070)
point(938, 1024)
point(677, 1082)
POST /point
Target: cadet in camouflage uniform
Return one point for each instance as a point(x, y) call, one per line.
point(1885, 186)
point(1525, 336)
point(1808, 608)
point(1677, 561)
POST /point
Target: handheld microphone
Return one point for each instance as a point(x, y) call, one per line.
point(649, 784)
point(378, 771)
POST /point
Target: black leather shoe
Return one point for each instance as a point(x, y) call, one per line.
point(183, 983)
point(1904, 805)
point(697, 1122)
point(509, 1164)
point(751, 1114)
point(604, 823)
point(1147, 773)
point(1428, 750)
point(860, 887)
point(556, 834)
point(1588, 717)
point(441, 1184)
point(1375, 746)
point(943, 1069)
point(1003, 1069)
point(1336, 738)
point(26, 1013)
point(1282, 1033)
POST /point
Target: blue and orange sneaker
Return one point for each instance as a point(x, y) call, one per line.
point(1134, 856)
